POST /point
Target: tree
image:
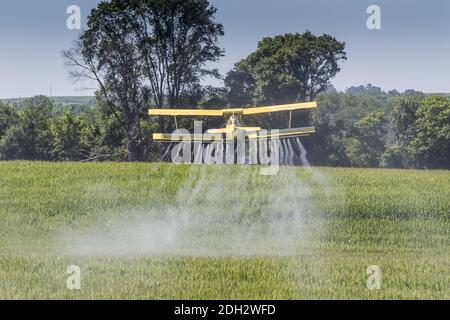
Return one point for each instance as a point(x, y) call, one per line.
point(8, 117)
point(30, 138)
point(66, 137)
point(369, 88)
point(286, 68)
point(108, 54)
point(404, 117)
point(394, 157)
point(339, 134)
point(432, 142)
point(142, 51)
point(177, 39)
point(101, 135)
point(394, 92)
point(240, 84)
point(326, 145)
point(366, 145)
point(400, 153)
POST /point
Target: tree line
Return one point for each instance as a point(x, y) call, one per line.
point(372, 128)
point(368, 128)
point(152, 53)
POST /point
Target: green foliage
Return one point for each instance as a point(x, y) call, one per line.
point(350, 129)
point(8, 117)
point(367, 89)
point(65, 132)
point(30, 138)
point(213, 98)
point(147, 52)
point(101, 128)
point(240, 84)
point(404, 117)
point(395, 156)
point(422, 132)
point(286, 68)
point(35, 132)
point(432, 142)
point(370, 128)
point(366, 129)
point(367, 144)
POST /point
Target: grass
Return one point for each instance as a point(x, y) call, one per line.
point(303, 234)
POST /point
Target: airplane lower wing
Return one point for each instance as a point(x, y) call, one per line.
point(222, 137)
point(282, 133)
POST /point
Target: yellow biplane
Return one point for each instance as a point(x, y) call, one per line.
point(233, 129)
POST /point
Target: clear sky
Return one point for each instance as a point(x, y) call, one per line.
point(412, 50)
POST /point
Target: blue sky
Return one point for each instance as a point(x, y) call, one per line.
point(412, 50)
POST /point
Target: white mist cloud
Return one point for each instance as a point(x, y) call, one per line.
point(217, 211)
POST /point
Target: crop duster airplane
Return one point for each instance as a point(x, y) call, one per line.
point(233, 129)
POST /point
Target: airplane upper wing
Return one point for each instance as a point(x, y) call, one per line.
point(223, 112)
point(185, 112)
point(284, 107)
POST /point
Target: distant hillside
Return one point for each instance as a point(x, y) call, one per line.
point(438, 93)
point(65, 101)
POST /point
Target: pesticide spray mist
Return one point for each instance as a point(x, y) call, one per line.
point(219, 211)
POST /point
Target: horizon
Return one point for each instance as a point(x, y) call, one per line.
point(339, 91)
point(397, 56)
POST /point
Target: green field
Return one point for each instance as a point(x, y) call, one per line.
point(160, 231)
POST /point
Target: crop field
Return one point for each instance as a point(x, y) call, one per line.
point(162, 231)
